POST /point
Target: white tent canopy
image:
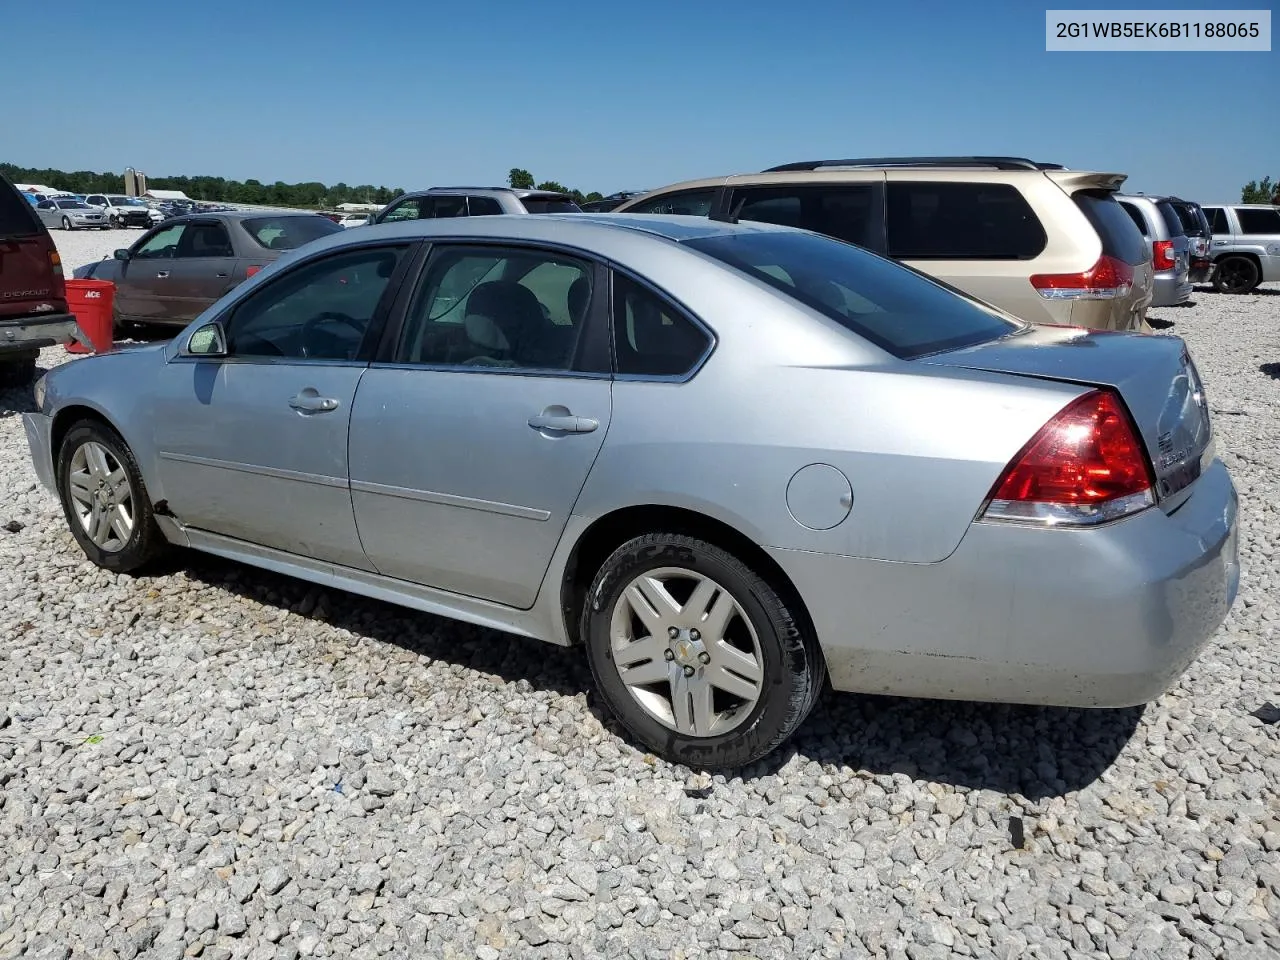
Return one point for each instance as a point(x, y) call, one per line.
point(167, 195)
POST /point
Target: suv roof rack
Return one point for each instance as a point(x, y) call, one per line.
point(999, 163)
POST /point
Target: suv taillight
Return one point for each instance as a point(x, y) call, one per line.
point(59, 280)
point(1162, 257)
point(1085, 466)
point(1107, 279)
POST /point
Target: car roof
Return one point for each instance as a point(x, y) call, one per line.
point(237, 215)
point(520, 192)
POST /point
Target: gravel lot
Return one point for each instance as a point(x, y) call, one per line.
point(218, 762)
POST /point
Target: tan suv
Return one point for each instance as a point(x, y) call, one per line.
point(1046, 244)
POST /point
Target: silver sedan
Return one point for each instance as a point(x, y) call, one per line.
point(730, 461)
point(71, 215)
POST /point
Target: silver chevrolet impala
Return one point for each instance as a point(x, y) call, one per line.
point(734, 462)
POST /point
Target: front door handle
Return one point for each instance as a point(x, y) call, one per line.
point(565, 424)
point(310, 403)
point(1220, 243)
point(162, 274)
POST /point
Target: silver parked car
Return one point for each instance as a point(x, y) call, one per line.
point(1171, 249)
point(71, 214)
point(1246, 246)
point(730, 460)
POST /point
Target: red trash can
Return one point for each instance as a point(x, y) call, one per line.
point(92, 302)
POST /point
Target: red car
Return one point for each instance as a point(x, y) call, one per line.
point(33, 295)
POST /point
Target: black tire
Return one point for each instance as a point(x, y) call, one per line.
point(1236, 275)
point(66, 224)
point(145, 542)
point(17, 369)
point(793, 670)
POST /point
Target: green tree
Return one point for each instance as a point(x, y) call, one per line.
point(520, 179)
point(553, 186)
point(1263, 191)
point(594, 195)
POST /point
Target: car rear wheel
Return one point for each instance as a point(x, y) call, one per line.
point(1236, 275)
point(104, 499)
point(698, 656)
point(66, 224)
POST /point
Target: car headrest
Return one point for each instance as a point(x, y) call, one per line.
point(484, 333)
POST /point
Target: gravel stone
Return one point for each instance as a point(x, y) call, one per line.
point(213, 761)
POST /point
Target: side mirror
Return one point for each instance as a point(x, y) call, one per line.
point(121, 255)
point(207, 341)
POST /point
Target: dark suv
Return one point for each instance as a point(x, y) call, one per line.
point(1196, 224)
point(33, 294)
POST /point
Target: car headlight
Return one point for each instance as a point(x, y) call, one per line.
point(39, 389)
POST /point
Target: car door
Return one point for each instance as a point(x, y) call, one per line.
point(1221, 229)
point(253, 445)
point(471, 441)
point(202, 271)
point(48, 213)
point(1260, 231)
point(140, 279)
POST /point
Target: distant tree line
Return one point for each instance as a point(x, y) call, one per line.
point(521, 179)
point(1261, 191)
point(283, 194)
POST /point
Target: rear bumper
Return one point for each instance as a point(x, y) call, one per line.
point(1171, 291)
point(39, 433)
point(1201, 271)
point(32, 333)
point(1108, 617)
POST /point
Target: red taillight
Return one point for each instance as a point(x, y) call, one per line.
point(1084, 466)
point(59, 280)
point(1107, 279)
point(250, 271)
point(1162, 257)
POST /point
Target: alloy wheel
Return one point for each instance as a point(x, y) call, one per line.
point(687, 652)
point(101, 496)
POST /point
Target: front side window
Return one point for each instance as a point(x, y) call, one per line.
point(843, 212)
point(414, 208)
point(320, 310)
point(691, 203)
point(961, 221)
point(483, 207)
point(651, 337)
point(494, 307)
point(205, 240)
point(446, 207)
point(1258, 223)
point(899, 310)
point(161, 245)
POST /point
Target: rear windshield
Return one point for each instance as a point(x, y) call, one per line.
point(1170, 217)
point(1191, 223)
point(286, 233)
point(1120, 236)
point(16, 218)
point(896, 308)
point(542, 205)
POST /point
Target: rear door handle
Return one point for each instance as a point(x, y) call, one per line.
point(569, 424)
point(162, 274)
point(310, 403)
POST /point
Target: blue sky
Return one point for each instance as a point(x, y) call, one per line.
point(601, 97)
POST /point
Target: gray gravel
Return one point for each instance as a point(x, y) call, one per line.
point(218, 762)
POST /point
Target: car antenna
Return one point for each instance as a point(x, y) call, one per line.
point(731, 216)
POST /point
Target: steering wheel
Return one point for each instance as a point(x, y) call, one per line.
point(329, 316)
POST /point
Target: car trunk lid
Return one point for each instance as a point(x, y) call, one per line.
point(1154, 375)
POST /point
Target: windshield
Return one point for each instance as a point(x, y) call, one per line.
point(1170, 217)
point(16, 218)
point(288, 232)
point(1121, 238)
point(544, 205)
point(896, 308)
point(126, 202)
point(72, 205)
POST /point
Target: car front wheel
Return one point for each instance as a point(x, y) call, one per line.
point(699, 656)
point(104, 499)
point(66, 224)
point(1236, 275)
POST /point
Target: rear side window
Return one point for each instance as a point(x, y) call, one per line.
point(1217, 220)
point(1259, 222)
point(286, 233)
point(651, 337)
point(1114, 224)
point(16, 218)
point(450, 207)
point(483, 207)
point(898, 309)
point(961, 221)
point(1172, 223)
point(843, 212)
